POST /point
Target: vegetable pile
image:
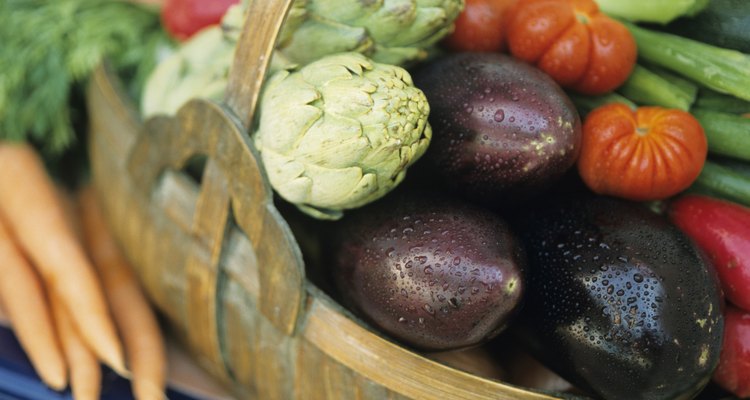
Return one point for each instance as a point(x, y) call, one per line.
point(570, 177)
point(508, 228)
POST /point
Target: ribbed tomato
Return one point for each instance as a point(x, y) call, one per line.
point(572, 41)
point(647, 154)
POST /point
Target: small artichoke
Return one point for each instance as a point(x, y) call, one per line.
point(340, 132)
point(394, 32)
point(200, 68)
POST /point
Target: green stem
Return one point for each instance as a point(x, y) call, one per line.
point(648, 88)
point(727, 134)
point(685, 85)
point(586, 104)
point(723, 182)
point(740, 167)
point(723, 70)
point(711, 100)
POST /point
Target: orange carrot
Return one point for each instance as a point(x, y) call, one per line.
point(85, 374)
point(3, 313)
point(135, 320)
point(25, 303)
point(36, 218)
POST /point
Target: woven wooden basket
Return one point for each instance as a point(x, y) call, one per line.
point(222, 265)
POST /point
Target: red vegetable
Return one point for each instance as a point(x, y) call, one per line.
point(647, 154)
point(733, 372)
point(183, 18)
point(578, 46)
point(722, 230)
point(479, 27)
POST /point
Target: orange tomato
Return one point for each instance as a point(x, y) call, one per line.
point(479, 27)
point(647, 154)
point(578, 46)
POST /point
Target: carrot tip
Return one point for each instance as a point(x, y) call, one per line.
point(56, 382)
point(145, 390)
point(88, 393)
point(117, 365)
point(122, 371)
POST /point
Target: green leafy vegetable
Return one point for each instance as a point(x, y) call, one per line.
point(49, 47)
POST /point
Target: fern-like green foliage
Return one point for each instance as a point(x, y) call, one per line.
point(47, 47)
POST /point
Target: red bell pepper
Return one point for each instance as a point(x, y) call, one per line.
point(722, 230)
point(733, 372)
point(183, 18)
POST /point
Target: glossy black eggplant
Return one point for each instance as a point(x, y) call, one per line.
point(619, 301)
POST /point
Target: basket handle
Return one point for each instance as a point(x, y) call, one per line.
point(280, 265)
point(253, 55)
point(233, 179)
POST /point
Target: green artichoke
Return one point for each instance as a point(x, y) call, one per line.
point(340, 132)
point(394, 32)
point(200, 68)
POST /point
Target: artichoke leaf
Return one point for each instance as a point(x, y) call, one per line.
point(285, 137)
point(346, 14)
point(426, 28)
point(337, 66)
point(394, 18)
point(340, 187)
point(325, 187)
point(349, 97)
point(321, 213)
point(333, 143)
point(398, 55)
point(317, 37)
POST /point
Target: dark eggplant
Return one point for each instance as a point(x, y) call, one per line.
point(619, 301)
point(502, 129)
point(435, 274)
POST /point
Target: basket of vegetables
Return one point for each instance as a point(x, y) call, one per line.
point(323, 205)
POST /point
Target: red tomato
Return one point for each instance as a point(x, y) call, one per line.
point(480, 26)
point(648, 154)
point(183, 18)
point(733, 372)
point(722, 230)
point(578, 46)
